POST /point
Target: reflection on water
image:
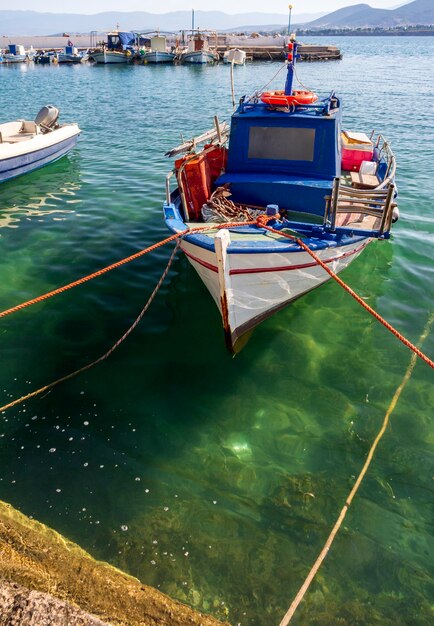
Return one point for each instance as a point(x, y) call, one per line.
point(50, 191)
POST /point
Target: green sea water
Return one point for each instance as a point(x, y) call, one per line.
point(218, 479)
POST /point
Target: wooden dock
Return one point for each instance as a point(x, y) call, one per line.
point(307, 52)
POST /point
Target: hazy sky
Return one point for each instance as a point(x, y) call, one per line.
point(163, 6)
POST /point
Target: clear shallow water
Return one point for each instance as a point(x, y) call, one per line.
point(218, 479)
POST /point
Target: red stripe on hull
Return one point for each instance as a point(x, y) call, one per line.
point(283, 268)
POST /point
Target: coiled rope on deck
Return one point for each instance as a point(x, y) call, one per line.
point(305, 586)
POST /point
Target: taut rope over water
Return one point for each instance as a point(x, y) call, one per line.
point(110, 351)
point(352, 293)
point(303, 589)
point(262, 222)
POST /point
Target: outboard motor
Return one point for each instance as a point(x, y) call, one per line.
point(47, 117)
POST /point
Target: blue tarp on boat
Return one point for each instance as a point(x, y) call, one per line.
point(123, 40)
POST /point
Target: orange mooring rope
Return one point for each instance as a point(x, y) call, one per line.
point(261, 222)
point(106, 354)
point(113, 266)
point(85, 279)
point(352, 293)
point(315, 567)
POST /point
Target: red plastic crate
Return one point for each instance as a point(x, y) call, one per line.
point(352, 158)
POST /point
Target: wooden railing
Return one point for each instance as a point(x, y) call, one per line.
point(374, 202)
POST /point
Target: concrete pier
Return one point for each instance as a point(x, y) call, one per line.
point(278, 53)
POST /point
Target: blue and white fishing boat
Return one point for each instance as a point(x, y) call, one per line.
point(158, 51)
point(198, 50)
point(283, 160)
point(70, 54)
point(119, 48)
point(16, 54)
point(29, 145)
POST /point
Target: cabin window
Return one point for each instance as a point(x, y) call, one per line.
point(281, 144)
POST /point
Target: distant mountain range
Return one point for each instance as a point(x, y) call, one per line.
point(418, 12)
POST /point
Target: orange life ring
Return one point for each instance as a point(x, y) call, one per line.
point(278, 98)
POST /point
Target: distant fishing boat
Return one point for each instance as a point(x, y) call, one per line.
point(119, 48)
point(285, 164)
point(16, 54)
point(234, 56)
point(70, 54)
point(158, 51)
point(46, 57)
point(29, 145)
point(198, 50)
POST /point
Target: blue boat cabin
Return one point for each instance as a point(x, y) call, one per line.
point(288, 160)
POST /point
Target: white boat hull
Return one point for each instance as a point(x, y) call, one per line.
point(249, 288)
point(69, 58)
point(14, 58)
point(159, 57)
point(110, 57)
point(23, 155)
point(200, 58)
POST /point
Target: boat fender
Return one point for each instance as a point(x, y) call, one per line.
point(395, 214)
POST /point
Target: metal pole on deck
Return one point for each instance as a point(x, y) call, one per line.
point(289, 19)
point(292, 56)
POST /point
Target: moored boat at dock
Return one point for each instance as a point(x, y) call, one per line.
point(15, 54)
point(119, 48)
point(278, 166)
point(70, 54)
point(28, 145)
point(158, 51)
point(46, 57)
point(198, 50)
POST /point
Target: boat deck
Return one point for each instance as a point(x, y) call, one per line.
point(17, 138)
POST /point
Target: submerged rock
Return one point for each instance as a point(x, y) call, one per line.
point(71, 582)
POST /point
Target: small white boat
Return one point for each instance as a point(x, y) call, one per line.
point(198, 50)
point(234, 56)
point(70, 54)
point(16, 54)
point(29, 145)
point(158, 52)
